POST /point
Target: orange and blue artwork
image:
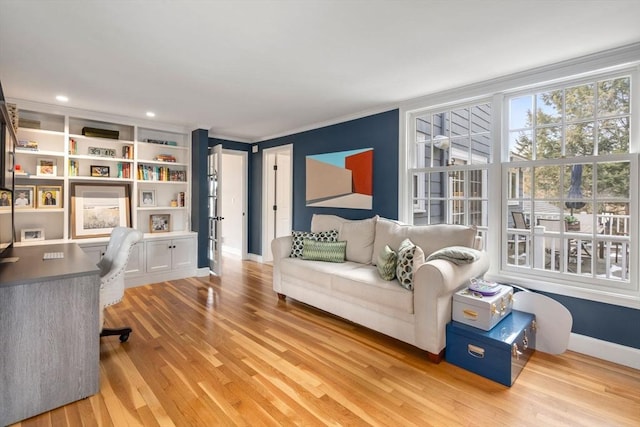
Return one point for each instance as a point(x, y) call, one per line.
point(341, 179)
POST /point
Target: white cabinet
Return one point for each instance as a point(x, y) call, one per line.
point(60, 148)
point(170, 254)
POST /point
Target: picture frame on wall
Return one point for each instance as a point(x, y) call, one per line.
point(46, 167)
point(49, 196)
point(147, 198)
point(24, 196)
point(96, 209)
point(31, 234)
point(160, 223)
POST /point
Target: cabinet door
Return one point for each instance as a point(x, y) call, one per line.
point(95, 252)
point(135, 266)
point(158, 255)
point(183, 253)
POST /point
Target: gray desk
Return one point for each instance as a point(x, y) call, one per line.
point(49, 332)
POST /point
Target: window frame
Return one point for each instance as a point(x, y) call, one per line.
point(622, 61)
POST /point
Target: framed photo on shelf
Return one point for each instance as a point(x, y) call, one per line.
point(100, 171)
point(49, 197)
point(31, 234)
point(5, 200)
point(160, 223)
point(46, 167)
point(96, 209)
point(24, 196)
point(147, 198)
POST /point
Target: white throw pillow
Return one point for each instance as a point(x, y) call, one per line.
point(359, 235)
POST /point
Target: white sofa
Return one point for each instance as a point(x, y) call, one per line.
point(354, 290)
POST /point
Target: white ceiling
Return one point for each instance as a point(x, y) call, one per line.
point(249, 70)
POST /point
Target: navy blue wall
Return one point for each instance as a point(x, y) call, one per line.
point(605, 322)
point(379, 131)
point(598, 320)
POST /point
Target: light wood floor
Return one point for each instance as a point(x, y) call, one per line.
point(226, 352)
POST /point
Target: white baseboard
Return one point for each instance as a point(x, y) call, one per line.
point(255, 257)
point(612, 352)
point(202, 272)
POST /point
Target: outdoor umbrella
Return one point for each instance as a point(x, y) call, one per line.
point(575, 191)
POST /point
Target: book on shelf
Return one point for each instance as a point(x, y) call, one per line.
point(160, 173)
point(124, 170)
point(73, 146)
point(74, 167)
point(127, 152)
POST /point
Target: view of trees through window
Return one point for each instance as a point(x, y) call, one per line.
point(569, 162)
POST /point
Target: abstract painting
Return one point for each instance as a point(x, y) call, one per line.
point(340, 180)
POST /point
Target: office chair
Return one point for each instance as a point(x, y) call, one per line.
point(112, 267)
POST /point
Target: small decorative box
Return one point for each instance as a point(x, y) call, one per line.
point(482, 311)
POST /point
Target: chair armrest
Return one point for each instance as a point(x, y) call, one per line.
point(434, 284)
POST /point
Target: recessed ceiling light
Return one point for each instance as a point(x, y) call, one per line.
point(62, 98)
point(151, 114)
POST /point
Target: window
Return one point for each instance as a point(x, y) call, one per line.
point(558, 207)
point(452, 152)
point(569, 170)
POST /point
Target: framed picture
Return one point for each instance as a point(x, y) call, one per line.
point(46, 167)
point(159, 223)
point(49, 197)
point(24, 196)
point(5, 199)
point(96, 209)
point(100, 171)
point(31, 234)
point(147, 198)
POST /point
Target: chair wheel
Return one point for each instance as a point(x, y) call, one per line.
point(124, 337)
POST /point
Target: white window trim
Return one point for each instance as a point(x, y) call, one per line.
point(623, 58)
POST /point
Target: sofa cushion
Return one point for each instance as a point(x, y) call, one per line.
point(297, 242)
point(429, 238)
point(363, 286)
point(321, 222)
point(410, 257)
point(324, 251)
point(456, 254)
point(313, 274)
point(359, 234)
point(387, 261)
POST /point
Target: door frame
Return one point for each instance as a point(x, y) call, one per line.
point(244, 254)
point(266, 179)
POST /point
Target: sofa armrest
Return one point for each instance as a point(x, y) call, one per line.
point(280, 248)
point(434, 284)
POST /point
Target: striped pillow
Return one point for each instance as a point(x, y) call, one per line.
point(324, 251)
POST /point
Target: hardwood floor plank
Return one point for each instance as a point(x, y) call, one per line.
point(226, 352)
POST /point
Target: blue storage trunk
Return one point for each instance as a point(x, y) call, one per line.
point(498, 354)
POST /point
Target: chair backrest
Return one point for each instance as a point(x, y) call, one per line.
point(113, 263)
point(518, 220)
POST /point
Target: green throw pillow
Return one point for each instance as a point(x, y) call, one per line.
point(298, 238)
point(387, 260)
point(456, 254)
point(324, 251)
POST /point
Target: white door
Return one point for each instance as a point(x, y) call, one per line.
point(278, 191)
point(214, 177)
point(234, 203)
